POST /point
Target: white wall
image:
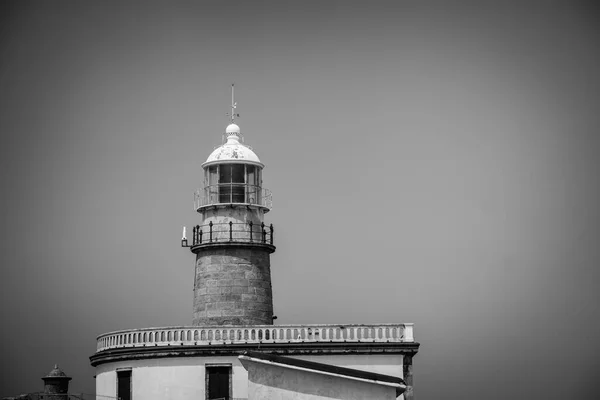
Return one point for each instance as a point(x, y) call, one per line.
point(182, 378)
point(177, 378)
point(106, 383)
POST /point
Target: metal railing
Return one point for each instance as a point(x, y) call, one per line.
point(212, 335)
point(233, 193)
point(235, 232)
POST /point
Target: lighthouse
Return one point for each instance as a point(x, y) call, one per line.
point(232, 243)
point(232, 349)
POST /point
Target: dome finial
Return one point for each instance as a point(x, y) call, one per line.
point(232, 133)
point(233, 114)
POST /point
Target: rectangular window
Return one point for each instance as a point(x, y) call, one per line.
point(124, 385)
point(218, 383)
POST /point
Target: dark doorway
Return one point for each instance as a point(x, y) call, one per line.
point(124, 385)
point(218, 383)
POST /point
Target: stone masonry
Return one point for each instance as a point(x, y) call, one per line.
point(232, 286)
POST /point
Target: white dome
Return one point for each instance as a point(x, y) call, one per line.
point(233, 150)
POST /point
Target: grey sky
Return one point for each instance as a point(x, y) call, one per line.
point(435, 164)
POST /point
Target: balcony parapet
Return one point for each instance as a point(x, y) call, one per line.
point(233, 193)
point(255, 334)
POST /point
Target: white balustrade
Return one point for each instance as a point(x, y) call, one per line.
point(206, 336)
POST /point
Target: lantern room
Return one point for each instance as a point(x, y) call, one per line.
point(233, 175)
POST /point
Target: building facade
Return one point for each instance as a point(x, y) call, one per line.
point(233, 305)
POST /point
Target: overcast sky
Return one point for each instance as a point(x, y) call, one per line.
point(429, 163)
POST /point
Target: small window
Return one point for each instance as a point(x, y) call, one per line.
point(218, 382)
point(124, 385)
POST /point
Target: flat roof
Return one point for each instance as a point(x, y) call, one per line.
point(329, 369)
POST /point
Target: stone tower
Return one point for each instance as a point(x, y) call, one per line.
point(56, 385)
point(232, 244)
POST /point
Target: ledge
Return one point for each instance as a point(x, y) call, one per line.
point(216, 206)
point(237, 349)
point(228, 244)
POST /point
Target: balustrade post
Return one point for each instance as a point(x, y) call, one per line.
point(210, 225)
point(408, 333)
point(194, 236)
point(264, 233)
point(271, 227)
point(200, 237)
point(250, 223)
point(230, 231)
point(197, 230)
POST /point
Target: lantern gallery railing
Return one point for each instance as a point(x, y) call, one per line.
point(199, 336)
point(233, 193)
point(235, 232)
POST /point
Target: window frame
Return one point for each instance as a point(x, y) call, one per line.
point(121, 371)
point(207, 380)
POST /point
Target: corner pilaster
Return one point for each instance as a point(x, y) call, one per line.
point(407, 370)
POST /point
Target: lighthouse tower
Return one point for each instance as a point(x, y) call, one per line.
point(232, 244)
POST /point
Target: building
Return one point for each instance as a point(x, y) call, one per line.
point(56, 387)
point(233, 305)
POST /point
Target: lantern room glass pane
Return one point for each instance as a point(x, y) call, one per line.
point(238, 179)
point(237, 173)
point(250, 176)
point(251, 184)
point(212, 175)
point(231, 183)
point(225, 183)
point(212, 180)
point(231, 173)
point(258, 185)
point(225, 173)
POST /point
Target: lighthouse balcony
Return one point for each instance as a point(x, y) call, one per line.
point(232, 232)
point(233, 193)
point(211, 336)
